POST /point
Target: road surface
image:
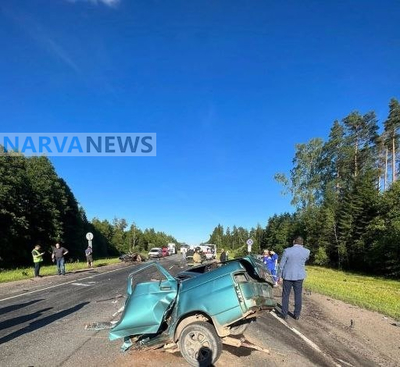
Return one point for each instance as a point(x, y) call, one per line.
point(42, 323)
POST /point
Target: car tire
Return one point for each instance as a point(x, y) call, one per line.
point(199, 344)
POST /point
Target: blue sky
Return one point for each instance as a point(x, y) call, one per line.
point(229, 87)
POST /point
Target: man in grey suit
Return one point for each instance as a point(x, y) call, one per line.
point(293, 272)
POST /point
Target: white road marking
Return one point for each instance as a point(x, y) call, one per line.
point(344, 362)
point(302, 336)
point(58, 285)
point(81, 284)
point(119, 311)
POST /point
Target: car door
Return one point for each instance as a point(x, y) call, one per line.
point(150, 296)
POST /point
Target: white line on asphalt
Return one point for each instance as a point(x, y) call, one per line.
point(302, 336)
point(58, 285)
point(81, 284)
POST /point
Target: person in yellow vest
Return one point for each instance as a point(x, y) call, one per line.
point(37, 260)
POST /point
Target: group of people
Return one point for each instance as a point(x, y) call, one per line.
point(270, 259)
point(58, 257)
point(291, 271)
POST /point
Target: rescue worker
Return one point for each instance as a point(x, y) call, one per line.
point(37, 260)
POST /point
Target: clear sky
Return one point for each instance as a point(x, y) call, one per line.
point(228, 86)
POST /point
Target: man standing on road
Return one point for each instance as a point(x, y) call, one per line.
point(89, 256)
point(37, 260)
point(293, 272)
point(58, 256)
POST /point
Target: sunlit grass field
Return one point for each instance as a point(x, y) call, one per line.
point(373, 293)
point(26, 273)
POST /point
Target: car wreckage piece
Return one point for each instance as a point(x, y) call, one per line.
point(197, 309)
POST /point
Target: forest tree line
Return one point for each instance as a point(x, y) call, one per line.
point(38, 207)
point(346, 195)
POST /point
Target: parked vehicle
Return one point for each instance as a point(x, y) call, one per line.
point(172, 248)
point(155, 252)
point(162, 310)
point(165, 251)
point(209, 251)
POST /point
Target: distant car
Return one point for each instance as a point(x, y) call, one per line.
point(165, 251)
point(155, 252)
point(196, 309)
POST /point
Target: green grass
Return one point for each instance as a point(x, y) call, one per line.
point(373, 293)
point(26, 273)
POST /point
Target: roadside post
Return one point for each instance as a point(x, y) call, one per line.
point(89, 237)
point(249, 245)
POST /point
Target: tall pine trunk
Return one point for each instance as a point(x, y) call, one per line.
point(393, 160)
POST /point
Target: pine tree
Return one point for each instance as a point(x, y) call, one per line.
point(392, 127)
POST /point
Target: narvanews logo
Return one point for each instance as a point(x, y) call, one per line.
point(79, 144)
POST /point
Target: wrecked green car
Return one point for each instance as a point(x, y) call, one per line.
point(195, 310)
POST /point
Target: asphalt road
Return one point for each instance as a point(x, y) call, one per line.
point(42, 323)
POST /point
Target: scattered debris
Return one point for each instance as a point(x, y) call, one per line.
point(132, 257)
point(110, 299)
point(96, 326)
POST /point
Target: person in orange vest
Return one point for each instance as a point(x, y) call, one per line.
point(37, 260)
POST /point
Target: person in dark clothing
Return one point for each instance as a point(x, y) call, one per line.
point(89, 256)
point(37, 260)
point(223, 256)
point(293, 272)
point(58, 256)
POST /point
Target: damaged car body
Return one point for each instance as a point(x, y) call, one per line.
point(195, 310)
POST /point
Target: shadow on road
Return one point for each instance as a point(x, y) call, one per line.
point(17, 307)
point(38, 323)
point(22, 319)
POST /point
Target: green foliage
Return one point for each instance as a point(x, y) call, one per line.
point(346, 220)
point(377, 294)
point(345, 217)
point(38, 207)
point(28, 272)
point(321, 258)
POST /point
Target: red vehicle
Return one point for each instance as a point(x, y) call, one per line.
point(165, 251)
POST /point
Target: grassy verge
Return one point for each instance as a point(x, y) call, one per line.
point(373, 293)
point(26, 273)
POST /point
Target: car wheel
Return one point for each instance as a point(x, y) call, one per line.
point(239, 329)
point(199, 344)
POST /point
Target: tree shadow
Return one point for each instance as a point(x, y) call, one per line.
point(39, 323)
point(17, 307)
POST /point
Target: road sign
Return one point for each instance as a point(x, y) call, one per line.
point(89, 236)
point(249, 244)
